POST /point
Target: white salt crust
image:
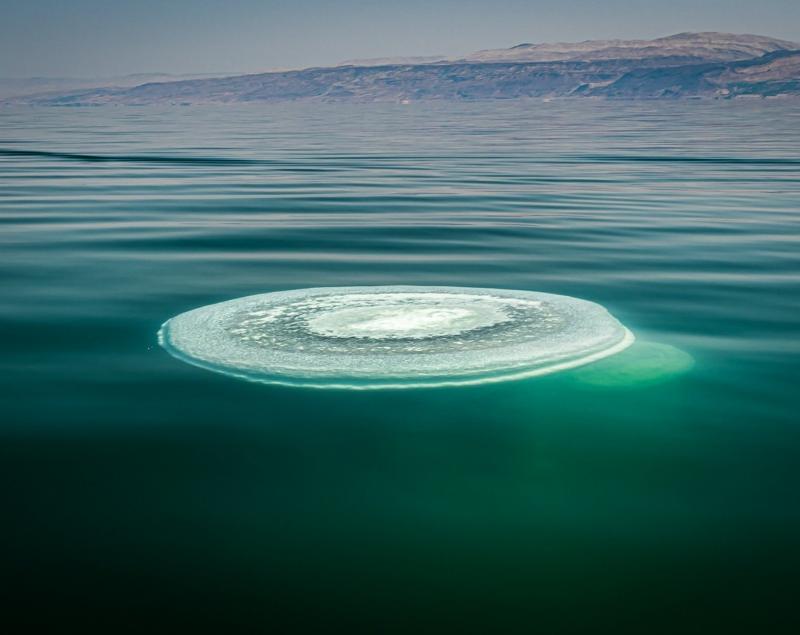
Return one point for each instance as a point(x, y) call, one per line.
point(394, 336)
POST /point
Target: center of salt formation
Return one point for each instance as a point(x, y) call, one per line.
point(401, 321)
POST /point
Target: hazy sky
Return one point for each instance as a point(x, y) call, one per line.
point(112, 37)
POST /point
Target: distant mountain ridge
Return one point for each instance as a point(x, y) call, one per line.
point(686, 65)
point(709, 46)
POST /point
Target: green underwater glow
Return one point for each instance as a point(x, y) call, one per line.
point(643, 364)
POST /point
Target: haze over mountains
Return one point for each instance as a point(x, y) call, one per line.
point(22, 86)
point(686, 65)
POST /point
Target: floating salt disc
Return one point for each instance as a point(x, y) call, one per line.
point(643, 364)
point(394, 336)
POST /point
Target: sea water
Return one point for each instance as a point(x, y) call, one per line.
point(590, 497)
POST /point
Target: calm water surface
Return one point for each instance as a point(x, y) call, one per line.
point(137, 485)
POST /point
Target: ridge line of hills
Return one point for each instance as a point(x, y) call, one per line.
point(685, 65)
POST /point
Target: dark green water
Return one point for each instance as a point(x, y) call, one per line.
point(137, 487)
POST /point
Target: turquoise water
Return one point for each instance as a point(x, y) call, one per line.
point(138, 485)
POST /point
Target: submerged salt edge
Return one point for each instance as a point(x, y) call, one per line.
point(398, 385)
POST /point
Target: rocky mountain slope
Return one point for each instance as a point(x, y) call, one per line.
point(708, 46)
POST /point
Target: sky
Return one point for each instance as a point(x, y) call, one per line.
point(102, 38)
